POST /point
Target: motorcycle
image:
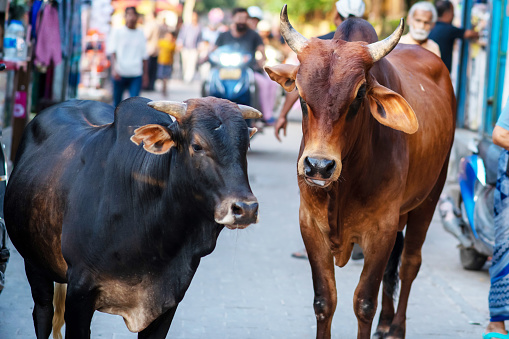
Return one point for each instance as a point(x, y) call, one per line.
point(230, 76)
point(471, 218)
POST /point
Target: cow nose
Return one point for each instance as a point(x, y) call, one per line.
point(322, 167)
point(245, 213)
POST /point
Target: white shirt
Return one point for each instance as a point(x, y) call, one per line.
point(129, 46)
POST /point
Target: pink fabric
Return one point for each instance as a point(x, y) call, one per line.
point(267, 93)
point(48, 48)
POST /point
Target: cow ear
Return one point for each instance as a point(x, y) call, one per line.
point(284, 75)
point(392, 110)
point(156, 138)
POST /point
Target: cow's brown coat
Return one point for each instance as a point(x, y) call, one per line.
point(384, 178)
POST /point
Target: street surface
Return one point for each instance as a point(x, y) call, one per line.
point(250, 286)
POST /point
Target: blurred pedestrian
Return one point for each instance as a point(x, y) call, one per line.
point(445, 34)
point(127, 49)
point(188, 42)
point(166, 47)
point(421, 19)
point(152, 32)
point(255, 16)
point(499, 270)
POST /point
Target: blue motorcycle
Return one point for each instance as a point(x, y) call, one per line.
point(470, 219)
point(230, 75)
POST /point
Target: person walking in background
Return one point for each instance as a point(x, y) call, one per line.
point(128, 53)
point(187, 43)
point(255, 16)
point(444, 33)
point(421, 19)
point(166, 47)
point(152, 33)
point(499, 289)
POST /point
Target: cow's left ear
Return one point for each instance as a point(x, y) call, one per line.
point(156, 138)
point(392, 110)
point(284, 75)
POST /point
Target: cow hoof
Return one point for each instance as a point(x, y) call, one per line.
point(396, 332)
point(378, 335)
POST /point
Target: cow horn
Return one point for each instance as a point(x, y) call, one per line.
point(294, 39)
point(174, 108)
point(250, 112)
point(381, 48)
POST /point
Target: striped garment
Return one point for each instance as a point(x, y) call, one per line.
point(499, 290)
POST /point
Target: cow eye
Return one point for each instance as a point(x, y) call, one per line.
point(197, 148)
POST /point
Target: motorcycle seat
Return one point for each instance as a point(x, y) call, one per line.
point(489, 153)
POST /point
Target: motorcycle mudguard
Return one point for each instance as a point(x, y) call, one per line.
point(471, 171)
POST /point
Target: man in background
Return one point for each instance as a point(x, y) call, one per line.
point(445, 34)
point(127, 49)
point(421, 19)
point(187, 43)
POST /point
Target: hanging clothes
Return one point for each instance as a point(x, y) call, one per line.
point(34, 14)
point(48, 46)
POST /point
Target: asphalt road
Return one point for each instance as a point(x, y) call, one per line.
point(250, 287)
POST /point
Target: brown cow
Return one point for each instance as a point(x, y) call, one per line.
point(377, 132)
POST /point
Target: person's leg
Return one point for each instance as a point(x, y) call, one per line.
point(135, 86)
point(499, 291)
point(192, 62)
point(152, 72)
point(267, 91)
point(118, 91)
point(185, 64)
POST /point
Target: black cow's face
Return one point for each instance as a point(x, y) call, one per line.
point(211, 140)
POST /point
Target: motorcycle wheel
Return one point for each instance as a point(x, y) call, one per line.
point(471, 259)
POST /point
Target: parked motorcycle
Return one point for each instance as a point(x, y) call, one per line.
point(471, 218)
point(230, 76)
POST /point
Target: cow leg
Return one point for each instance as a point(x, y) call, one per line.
point(417, 226)
point(390, 282)
point(377, 250)
point(159, 328)
point(42, 294)
point(322, 270)
point(79, 307)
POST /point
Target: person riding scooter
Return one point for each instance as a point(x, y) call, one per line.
point(242, 38)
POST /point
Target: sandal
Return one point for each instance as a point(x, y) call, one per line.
point(495, 335)
point(304, 255)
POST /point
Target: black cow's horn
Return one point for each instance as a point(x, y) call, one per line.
point(250, 112)
point(174, 108)
point(294, 39)
point(381, 48)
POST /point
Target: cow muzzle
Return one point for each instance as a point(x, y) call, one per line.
point(237, 213)
point(320, 172)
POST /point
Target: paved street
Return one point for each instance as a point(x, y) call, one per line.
point(250, 287)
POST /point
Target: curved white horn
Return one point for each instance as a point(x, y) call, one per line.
point(249, 112)
point(294, 39)
point(381, 48)
point(174, 108)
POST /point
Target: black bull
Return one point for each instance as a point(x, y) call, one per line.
point(123, 225)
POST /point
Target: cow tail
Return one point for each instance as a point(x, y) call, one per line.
point(391, 271)
point(59, 304)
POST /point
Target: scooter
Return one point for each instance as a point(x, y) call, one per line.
point(471, 218)
point(230, 76)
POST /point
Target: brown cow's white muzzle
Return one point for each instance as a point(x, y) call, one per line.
point(236, 213)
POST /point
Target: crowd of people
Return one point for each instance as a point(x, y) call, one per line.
point(159, 50)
